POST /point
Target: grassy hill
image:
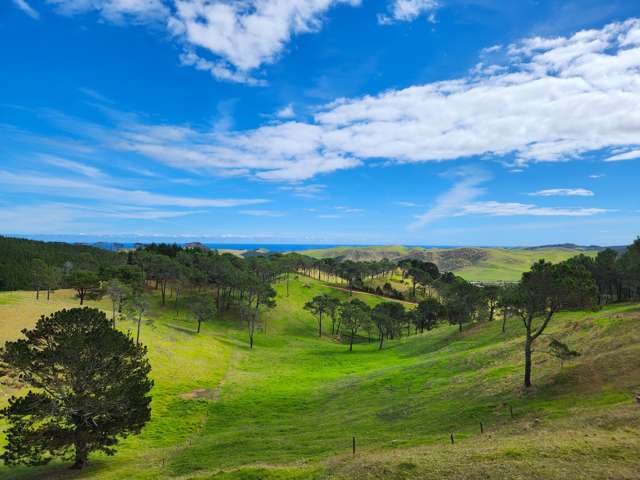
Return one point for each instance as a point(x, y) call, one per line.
point(473, 264)
point(289, 408)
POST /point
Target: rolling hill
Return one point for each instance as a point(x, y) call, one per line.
point(288, 409)
point(472, 263)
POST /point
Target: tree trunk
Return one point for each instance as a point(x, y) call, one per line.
point(527, 362)
point(381, 340)
point(48, 294)
point(199, 322)
point(504, 321)
point(351, 342)
point(320, 325)
point(37, 294)
point(138, 333)
point(82, 452)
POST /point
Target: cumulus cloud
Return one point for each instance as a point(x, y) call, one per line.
point(408, 10)
point(556, 100)
point(248, 34)
point(559, 99)
point(226, 38)
point(563, 192)
point(26, 8)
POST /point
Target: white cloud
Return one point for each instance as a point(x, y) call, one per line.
point(557, 99)
point(408, 10)
point(239, 35)
point(597, 175)
point(460, 200)
point(218, 69)
point(65, 217)
point(498, 209)
point(631, 155)
point(313, 190)
point(245, 35)
point(117, 11)
point(348, 210)
point(64, 187)
point(26, 8)
point(406, 204)
point(262, 213)
point(563, 192)
point(466, 189)
point(77, 167)
point(286, 112)
point(551, 105)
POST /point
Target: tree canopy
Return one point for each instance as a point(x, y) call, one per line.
point(90, 387)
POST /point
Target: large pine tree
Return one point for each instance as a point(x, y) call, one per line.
point(90, 387)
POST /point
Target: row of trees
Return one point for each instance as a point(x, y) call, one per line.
point(581, 282)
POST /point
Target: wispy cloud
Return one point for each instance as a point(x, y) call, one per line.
point(460, 201)
point(26, 8)
point(69, 188)
point(116, 11)
point(595, 176)
point(406, 204)
point(262, 213)
point(348, 210)
point(466, 189)
point(499, 209)
point(563, 192)
point(631, 155)
point(313, 190)
point(76, 167)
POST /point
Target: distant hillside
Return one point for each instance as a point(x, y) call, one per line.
point(17, 255)
point(474, 264)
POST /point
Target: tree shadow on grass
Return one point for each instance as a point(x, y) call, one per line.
point(58, 470)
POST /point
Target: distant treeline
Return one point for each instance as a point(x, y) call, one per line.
point(17, 258)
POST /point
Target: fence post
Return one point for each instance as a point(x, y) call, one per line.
point(354, 445)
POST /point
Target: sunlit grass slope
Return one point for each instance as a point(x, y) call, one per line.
point(289, 408)
point(473, 264)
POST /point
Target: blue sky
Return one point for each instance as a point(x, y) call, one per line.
point(448, 122)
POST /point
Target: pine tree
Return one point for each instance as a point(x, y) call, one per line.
point(90, 387)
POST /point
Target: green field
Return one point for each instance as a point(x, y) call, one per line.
point(473, 264)
point(289, 408)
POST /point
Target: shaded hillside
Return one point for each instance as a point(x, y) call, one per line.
point(18, 254)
